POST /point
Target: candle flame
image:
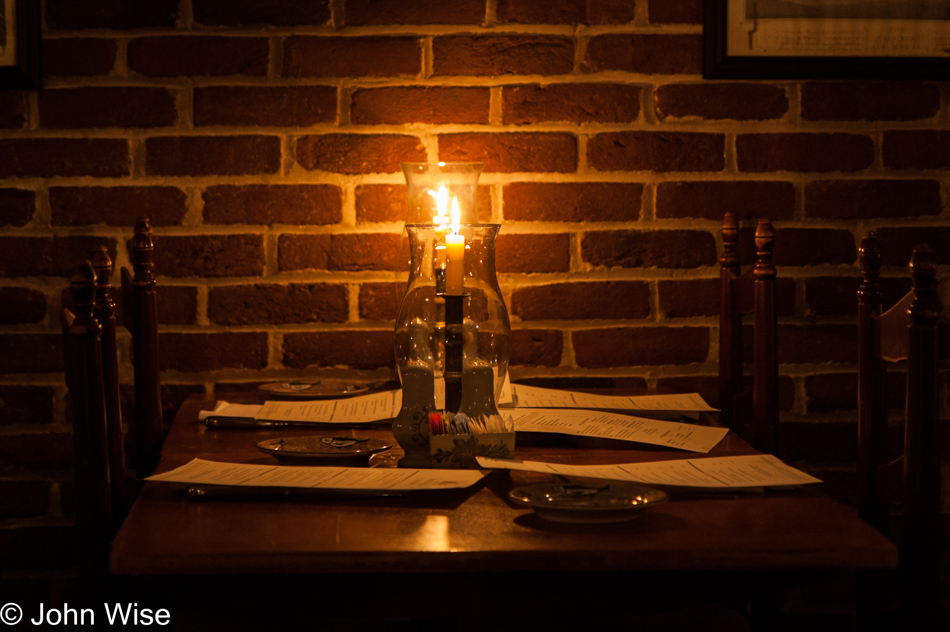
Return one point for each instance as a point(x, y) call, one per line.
point(456, 216)
point(441, 198)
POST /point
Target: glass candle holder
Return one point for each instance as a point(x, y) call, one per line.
point(441, 201)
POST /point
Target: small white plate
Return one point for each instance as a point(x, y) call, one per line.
point(588, 503)
point(325, 389)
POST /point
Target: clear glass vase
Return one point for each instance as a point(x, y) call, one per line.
point(420, 332)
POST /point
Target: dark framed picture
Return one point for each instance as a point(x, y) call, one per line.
point(826, 39)
point(20, 44)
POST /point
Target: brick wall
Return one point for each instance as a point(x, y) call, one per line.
point(263, 140)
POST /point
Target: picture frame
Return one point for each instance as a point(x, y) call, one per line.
point(20, 45)
point(826, 39)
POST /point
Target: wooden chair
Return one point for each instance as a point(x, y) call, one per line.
point(140, 310)
point(84, 377)
point(905, 332)
point(752, 413)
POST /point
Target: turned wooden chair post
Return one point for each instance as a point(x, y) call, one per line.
point(90, 438)
point(872, 408)
point(141, 319)
point(730, 327)
point(751, 413)
point(104, 312)
point(765, 421)
point(920, 543)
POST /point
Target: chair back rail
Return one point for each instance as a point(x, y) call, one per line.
point(90, 436)
point(920, 543)
point(906, 331)
point(752, 413)
point(141, 318)
point(104, 312)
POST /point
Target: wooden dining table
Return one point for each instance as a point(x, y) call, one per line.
point(707, 539)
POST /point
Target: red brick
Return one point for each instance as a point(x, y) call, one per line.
point(211, 155)
point(116, 206)
point(604, 300)
point(536, 347)
point(110, 14)
point(572, 102)
point(711, 200)
point(12, 110)
point(350, 349)
point(48, 157)
point(838, 296)
point(512, 152)
point(380, 301)
point(916, 149)
point(177, 304)
point(610, 11)
point(649, 249)
point(198, 56)
point(35, 546)
point(573, 202)
point(78, 57)
point(193, 352)
point(369, 56)
point(897, 244)
point(650, 54)
point(690, 298)
point(830, 392)
point(47, 256)
point(37, 451)
point(418, 104)
point(533, 253)
point(26, 405)
point(381, 203)
point(209, 255)
point(16, 207)
point(21, 305)
point(869, 101)
point(858, 199)
point(369, 251)
point(817, 344)
point(372, 12)
point(804, 152)
point(717, 101)
point(358, 153)
point(271, 304)
point(24, 499)
point(551, 12)
point(71, 108)
point(31, 353)
point(640, 346)
point(706, 385)
point(676, 12)
point(808, 246)
point(657, 151)
point(253, 12)
point(269, 204)
point(288, 106)
point(481, 55)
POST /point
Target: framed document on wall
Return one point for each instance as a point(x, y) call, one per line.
point(826, 39)
point(20, 44)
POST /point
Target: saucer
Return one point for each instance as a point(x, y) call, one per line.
point(588, 503)
point(323, 389)
point(320, 450)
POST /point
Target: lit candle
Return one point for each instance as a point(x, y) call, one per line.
point(455, 255)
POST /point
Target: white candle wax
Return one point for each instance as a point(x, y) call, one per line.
point(454, 264)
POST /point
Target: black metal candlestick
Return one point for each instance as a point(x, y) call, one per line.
point(454, 342)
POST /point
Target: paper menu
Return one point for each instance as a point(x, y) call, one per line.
point(607, 425)
point(199, 471)
point(729, 472)
point(533, 397)
point(360, 409)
